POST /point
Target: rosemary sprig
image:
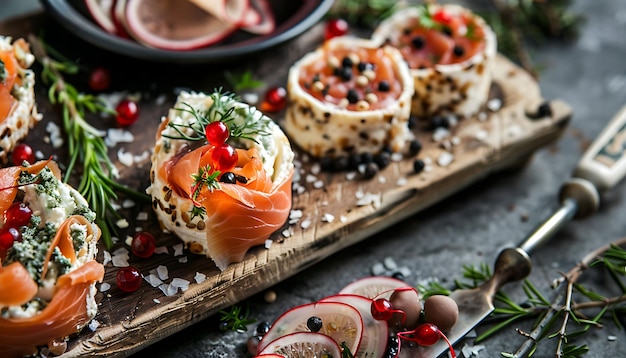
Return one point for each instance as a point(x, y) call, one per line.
point(567, 306)
point(86, 145)
point(235, 319)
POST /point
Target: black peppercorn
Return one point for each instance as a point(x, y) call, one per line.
point(418, 42)
point(418, 165)
point(352, 96)
point(383, 86)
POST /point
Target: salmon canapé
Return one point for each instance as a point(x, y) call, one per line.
point(450, 52)
point(221, 176)
point(47, 251)
point(350, 96)
point(18, 112)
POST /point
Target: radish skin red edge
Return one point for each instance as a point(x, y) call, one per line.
point(139, 32)
point(101, 11)
point(124, 19)
point(267, 22)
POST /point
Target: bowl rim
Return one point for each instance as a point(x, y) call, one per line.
point(68, 16)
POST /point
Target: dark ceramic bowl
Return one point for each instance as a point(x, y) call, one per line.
point(293, 17)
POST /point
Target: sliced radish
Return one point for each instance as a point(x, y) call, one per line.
point(302, 344)
point(374, 286)
point(230, 11)
point(267, 23)
point(173, 25)
point(118, 13)
point(101, 11)
point(340, 321)
point(375, 332)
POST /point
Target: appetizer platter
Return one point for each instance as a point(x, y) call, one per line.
point(308, 206)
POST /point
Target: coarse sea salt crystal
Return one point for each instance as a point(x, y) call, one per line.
point(268, 243)
point(327, 217)
point(305, 224)
point(162, 272)
point(142, 157)
point(127, 203)
point(382, 179)
point(445, 159)
point(122, 223)
point(168, 290)
point(120, 257)
point(106, 257)
point(351, 175)
point(286, 233)
point(318, 184)
point(39, 154)
point(142, 216)
point(125, 158)
point(56, 139)
point(199, 277)
point(440, 134)
point(93, 325)
point(161, 250)
point(316, 168)
point(183, 260)
point(396, 156)
point(118, 135)
point(310, 178)
point(178, 249)
point(156, 300)
point(343, 219)
point(105, 286)
point(180, 283)
point(471, 351)
point(378, 269)
point(401, 181)
point(153, 280)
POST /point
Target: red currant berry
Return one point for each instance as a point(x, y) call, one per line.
point(100, 79)
point(127, 112)
point(442, 17)
point(335, 27)
point(8, 235)
point(275, 99)
point(23, 152)
point(382, 310)
point(216, 132)
point(224, 157)
point(143, 244)
point(128, 279)
point(18, 214)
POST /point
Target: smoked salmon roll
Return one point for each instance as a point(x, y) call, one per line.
point(18, 110)
point(350, 96)
point(48, 254)
point(451, 53)
point(221, 175)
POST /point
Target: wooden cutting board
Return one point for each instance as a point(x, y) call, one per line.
point(502, 139)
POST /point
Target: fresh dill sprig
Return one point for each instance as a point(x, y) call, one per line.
point(235, 319)
point(86, 145)
point(243, 122)
point(242, 81)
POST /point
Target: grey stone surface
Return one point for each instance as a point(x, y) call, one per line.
point(472, 226)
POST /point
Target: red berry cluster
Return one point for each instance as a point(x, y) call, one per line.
point(224, 156)
point(409, 307)
point(16, 216)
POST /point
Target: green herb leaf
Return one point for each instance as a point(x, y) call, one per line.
point(242, 81)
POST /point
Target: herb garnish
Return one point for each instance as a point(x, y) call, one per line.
point(208, 177)
point(243, 81)
point(242, 122)
point(568, 304)
point(235, 319)
point(85, 143)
